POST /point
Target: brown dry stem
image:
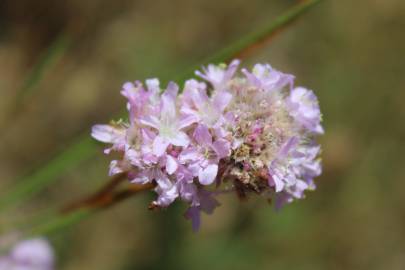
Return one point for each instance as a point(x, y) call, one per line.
point(108, 195)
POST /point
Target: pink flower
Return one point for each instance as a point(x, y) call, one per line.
point(252, 132)
point(197, 104)
point(167, 124)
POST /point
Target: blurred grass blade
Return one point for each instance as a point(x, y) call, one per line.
point(47, 61)
point(241, 46)
point(55, 224)
point(73, 155)
point(85, 147)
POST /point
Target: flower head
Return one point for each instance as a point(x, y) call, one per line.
point(251, 132)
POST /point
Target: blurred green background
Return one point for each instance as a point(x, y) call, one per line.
point(62, 64)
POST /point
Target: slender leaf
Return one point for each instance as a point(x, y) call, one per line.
point(73, 155)
point(59, 222)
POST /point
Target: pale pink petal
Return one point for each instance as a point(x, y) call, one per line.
point(202, 75)
point(189, 154)
point(171, 164)
point(180, 139)
point(133, 156)
point(191, 88)
point(186, 121)
point(251, 78)
point(288, 146)
point(222, 147)
point(221, 99)
point(127, 86)
point(151, 121)
point(199, 97)
point(118, 166)
point(276, 182)
point(107, 133)
point(159, 146)
point(147, 136)
point(162, 181)
point(194, 168)
point(189, 111)
point(167, 191)
point(231, 69)
point(143, 177)
point(149, 158)
point(166, 196)
point(207, 176)
point(188, 192)
point(168, 109)
point(153, 85)
point(202, 135)
point(172, 90)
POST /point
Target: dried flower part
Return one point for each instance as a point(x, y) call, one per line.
point(33, 254)
point(251, 132)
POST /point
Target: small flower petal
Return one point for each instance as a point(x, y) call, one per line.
point(180, 139)
point(160, 145)
point(202, 135)
point(171, 164)
point(207, 175)
point(107, 133)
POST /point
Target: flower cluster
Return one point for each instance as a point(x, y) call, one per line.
point(251, 132)
point(33, 254)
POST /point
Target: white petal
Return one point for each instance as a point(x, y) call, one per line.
point(189, 154)
point(187, 120)
point(207, 176)
point(202, 135)
point(107, 133)
point(153, 85)
point(171, 164)
point(276, 182)
point(159, 146)
point(150, 121)
point(221, 100)
point(180, 139)
point(168, 108)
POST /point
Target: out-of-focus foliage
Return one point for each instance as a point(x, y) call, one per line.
point(349, 52)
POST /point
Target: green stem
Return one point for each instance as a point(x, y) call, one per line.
point(84, 148)
point(239, 46)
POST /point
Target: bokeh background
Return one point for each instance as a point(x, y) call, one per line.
point(62, 64)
